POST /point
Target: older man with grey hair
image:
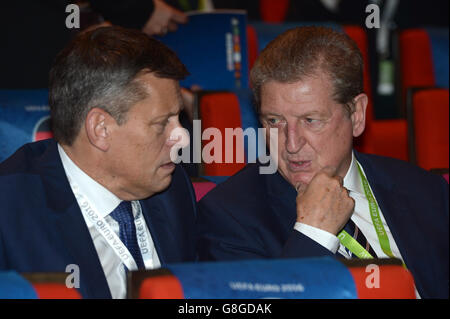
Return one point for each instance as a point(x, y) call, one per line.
point(325, 198)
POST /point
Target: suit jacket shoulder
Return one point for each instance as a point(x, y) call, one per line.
point(42, 228)
point(415, 204)
point(410, 180)
point(236, 189)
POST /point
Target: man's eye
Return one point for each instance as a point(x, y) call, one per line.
point(310, 120)
point(273, 121)
point(163, 123)
point(160, 127)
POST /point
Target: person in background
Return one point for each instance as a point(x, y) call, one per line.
point(34, 31)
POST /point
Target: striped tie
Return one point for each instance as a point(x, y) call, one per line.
point(356, 233)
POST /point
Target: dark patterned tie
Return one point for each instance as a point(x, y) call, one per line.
point(123, 214)
point(356, 233)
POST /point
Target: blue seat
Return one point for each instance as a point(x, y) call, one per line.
point(214, 49)
point(323, 277)
point(14, 286)
point(266, 32)
point(24, 118)
point(439, 50)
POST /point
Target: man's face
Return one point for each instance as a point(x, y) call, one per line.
point(314, 131)
point(140, 148)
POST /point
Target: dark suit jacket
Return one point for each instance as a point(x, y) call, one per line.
point(42, 228)
point(253, 216)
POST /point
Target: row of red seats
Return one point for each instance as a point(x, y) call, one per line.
point(368, 279)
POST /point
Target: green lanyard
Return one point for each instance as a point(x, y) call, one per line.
point(350, 243)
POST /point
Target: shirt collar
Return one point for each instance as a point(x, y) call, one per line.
point(352, 180)
point(102, 199)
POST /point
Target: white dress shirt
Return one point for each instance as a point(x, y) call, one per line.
point(361, 218)
point(104, 202)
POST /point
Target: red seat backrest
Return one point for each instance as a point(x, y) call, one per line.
point(431, 128)
point(395, 282)
point(416, 60)
point(273, 11)
point(359, 36)
point(161, 287)
point(252, 45)
point(55, 291)
point(221, 111)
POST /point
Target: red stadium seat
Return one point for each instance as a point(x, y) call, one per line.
point(429, 129)
point(416, 61)
point(386, 138)
point(161, 287)
point(395, 282)
point(364, 279)
point(359, 36)
point(51, 286)
point(252, 45)
point(55, 291)
point(424, 65)
point(273, 11)
point(221, 111)
point(381, 137)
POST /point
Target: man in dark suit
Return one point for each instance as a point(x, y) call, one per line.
point(104, 197)
point(325, 198)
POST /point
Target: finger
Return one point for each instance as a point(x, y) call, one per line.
point(352, 204)
point(329, 170)
point(172, 27)
point(346, 190)
point(300, 188)
point(163, 30)
point(339, 179)
point(178, 16)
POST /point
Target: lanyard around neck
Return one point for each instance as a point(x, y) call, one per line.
point(351, 243)
point(113, 240)
point(375, 215)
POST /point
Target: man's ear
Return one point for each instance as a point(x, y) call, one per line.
point(97, 126)
point(358, 117)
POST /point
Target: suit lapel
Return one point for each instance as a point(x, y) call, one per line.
point(68, 220)
point(394, 206)
point(81, 251)
point(395, 209)
point(156, 214)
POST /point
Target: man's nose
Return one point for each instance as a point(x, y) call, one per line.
point(179, 136)
point(295, 139)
